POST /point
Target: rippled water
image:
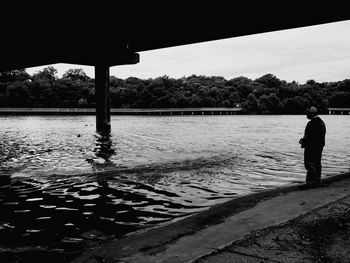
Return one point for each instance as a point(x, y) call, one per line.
point(66, 185)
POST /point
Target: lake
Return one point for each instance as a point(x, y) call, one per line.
point(64, 185)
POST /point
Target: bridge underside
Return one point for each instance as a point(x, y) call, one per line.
point(103, 36)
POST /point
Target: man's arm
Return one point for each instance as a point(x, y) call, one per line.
point(303, 141)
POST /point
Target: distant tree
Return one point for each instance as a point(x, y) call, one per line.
point(182, 101)
point(270, 81)
point(244, 90)
point(264, 95)
point(226, 103)
point(270, 104)
point(251, 105)
point(344, 85)
point(82, 102)
point(207, 102)
point(263, 104)
point(340, 99)
point(75, 74)
point(115, 82)
point(166, 102)
point(239, 81)
point(296, 105)
point(288, 91)
point(215, 93)
point(48, 73)
point(311, 82)
point(17, 95)
point(14, 75)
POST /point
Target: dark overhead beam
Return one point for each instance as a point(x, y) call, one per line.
point(109, 60)
point(40, 35)
point(17, 62)
point(27, 61)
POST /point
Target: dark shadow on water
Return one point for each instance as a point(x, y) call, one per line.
point(62, 216)
point(61, 220)
point(58, 217)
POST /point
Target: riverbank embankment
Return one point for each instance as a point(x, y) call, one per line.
point(212, 235)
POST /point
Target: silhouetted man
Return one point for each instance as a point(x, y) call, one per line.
point(313, 142)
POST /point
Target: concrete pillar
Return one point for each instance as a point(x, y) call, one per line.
point(103, 115)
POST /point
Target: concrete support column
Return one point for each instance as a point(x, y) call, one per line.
point(103, 115)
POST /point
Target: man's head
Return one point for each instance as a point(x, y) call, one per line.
point(311, 112)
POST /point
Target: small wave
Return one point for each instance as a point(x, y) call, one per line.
point(112, 170)
point(173, 166)
point(205, 189)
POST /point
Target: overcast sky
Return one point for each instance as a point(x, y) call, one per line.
point(321, 53)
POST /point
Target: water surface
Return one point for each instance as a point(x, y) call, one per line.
point(65, 185)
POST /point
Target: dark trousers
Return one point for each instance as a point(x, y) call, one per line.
point(312, 163)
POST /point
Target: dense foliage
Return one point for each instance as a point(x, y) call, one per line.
point(264, 95)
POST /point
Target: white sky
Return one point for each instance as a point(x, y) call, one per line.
point(321, 53)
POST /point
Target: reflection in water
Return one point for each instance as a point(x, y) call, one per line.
point(103, 150)
point(104, 147)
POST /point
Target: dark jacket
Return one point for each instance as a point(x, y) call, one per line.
point(315, 133)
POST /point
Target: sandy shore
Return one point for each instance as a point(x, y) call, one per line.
point(278, 225)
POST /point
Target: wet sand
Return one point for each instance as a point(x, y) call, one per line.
point(232, 231)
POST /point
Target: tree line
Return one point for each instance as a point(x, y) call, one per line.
point(264, 95)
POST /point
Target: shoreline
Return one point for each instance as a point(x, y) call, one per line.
point(176, 242)
point(149, 111)
point(122, 111)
